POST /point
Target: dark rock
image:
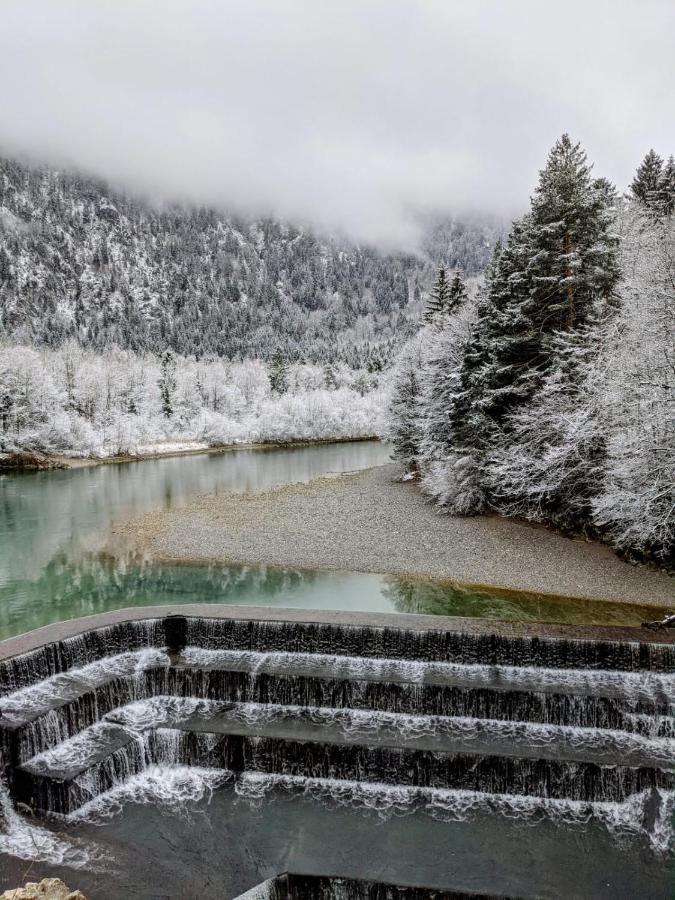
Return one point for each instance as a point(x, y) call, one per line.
point(30, 460)
point(47, 889)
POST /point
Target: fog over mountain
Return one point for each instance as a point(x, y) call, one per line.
point(354, 116)
point(79, 260)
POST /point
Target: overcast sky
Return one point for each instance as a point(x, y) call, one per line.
point(353, 115)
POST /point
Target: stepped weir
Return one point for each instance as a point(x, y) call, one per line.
point(292, 886)
point(526, 720)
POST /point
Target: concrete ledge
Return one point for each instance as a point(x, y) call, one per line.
point(59, 631)
point(293, 885)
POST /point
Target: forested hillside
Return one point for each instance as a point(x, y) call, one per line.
point(80, 260)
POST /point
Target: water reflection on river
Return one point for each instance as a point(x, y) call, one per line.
point(51, 524)
point(47, 514)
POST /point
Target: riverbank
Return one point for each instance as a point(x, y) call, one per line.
point(370, 522)
point(165, 449)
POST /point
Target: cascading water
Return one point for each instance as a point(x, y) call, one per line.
point(292, 886)
point(454, 724)
point(26, 840)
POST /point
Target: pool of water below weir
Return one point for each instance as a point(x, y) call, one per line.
point(224, 843)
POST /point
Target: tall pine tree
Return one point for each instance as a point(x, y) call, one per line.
point(278, 374)
point(491, 378)
point(555, 275)
point(550, 466)
point(439, 297)
point(645, 186)
point(445, 348)
point(167, 383)
point(405, 409)
point(667, 188)
point(573, 252)
point(456, 294)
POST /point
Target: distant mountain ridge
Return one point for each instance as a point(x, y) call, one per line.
point(81, 260)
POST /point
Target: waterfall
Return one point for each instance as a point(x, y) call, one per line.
point(292, 886)
point(76, 652)
point(407, 644)
point(443, 721)
point(22, 838)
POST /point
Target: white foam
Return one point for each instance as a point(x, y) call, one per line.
point(171, 787)
point(622, 820)
point(25, 840)
point(456, 733)
point(22, 702)
point(266, 890)
point(76, 751)
point(641, 685)
point(154, 712)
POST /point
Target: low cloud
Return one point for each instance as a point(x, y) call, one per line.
point(352, 115)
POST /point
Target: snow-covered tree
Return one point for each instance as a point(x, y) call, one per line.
point(439, 297)
point(457, 294)
point(552, 395)
point(330, 378)
point(444, 349)
point(446, 296)
point(278, 374)
point(167, 383)
point(484, 385)
point(667, 188)
point(405, 405)
point(637, 502)
point(647, 181)
point(534, 328)
point(84, 403)
point(28, 390)
point(458, 483)
point(572, 253)
point(550, 467)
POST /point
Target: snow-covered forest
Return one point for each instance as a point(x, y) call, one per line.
point(275, 332)
point(549, 394)
point(82, 261)
point(84, 403)
point(545, 390)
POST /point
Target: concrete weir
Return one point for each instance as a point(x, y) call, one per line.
point(292, 886)
point(576, 723)
point(59, 631)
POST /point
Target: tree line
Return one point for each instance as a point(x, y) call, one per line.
point(81, 402)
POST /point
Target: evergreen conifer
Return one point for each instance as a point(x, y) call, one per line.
point(456, 294)
point(329, 378)
point(445, 348)
point(439, 297)
point(573, 252)
point(558, 268)
point(645, 186)
point(667, 187)
point(278, 374)
point(405, 407)
point(469, 422)
point(167, 383)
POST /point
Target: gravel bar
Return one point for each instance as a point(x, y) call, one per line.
point(369, 522)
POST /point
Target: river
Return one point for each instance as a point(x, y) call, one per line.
point(53, 523)
point(561, 826)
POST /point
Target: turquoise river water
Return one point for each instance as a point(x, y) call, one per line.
point(52, 522)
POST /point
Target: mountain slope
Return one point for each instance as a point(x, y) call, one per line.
point(78, 259)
